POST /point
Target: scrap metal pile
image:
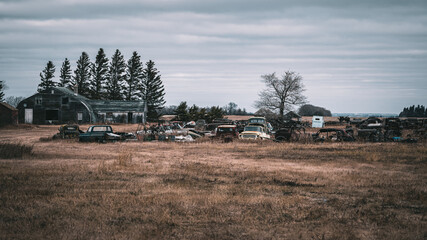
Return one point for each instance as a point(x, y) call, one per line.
point(257, 128)
point(374, 129)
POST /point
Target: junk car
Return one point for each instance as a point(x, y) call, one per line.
point(288, 130)
point(227, 132)
point(99, 133)
point(332, 134)
point(254, 132)
point(68, 131)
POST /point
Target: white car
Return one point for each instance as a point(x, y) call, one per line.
point(254, 132)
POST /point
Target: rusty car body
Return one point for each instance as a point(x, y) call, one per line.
point(332, 134)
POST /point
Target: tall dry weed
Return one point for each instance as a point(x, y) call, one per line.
point(124, 158)
point(102, 167)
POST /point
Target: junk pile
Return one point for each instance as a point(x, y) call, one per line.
point(257, 128)
point(374, 129)
point(172, 132)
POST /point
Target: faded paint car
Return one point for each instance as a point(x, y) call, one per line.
point(254, 132)
point(68, 131)
point(260, 121)
point(333, 134)
point(99, 133)
point(227, 132)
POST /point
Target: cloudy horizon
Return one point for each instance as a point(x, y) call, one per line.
point(354, 56)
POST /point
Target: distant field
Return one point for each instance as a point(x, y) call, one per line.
point(245, 190)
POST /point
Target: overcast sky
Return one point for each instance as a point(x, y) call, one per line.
point(354, 56)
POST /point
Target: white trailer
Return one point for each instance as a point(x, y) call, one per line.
point(317, 122)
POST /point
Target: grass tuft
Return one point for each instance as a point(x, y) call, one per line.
point(124, 158)
point(15, 150)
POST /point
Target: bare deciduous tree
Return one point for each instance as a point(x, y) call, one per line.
point(281, 94)
point(2, 88)
point(14, 101)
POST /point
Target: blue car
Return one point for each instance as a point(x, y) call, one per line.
point(99, 133)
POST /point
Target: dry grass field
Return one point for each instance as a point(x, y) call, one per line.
point(64, 189)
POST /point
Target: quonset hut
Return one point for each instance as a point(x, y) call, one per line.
point(60, 105)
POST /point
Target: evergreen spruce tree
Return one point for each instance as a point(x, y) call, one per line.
point(46, 77)
point(412, 111)
point(193, 112)
point(82, 75)
point(215, 112)
point(202, 114)
point(117, 76)
point(65, 75)
point(99, 75)
point(181, 112)
point(2, 88)
point(152, 91)
point(133, 77)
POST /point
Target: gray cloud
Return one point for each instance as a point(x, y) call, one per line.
point(359, 56)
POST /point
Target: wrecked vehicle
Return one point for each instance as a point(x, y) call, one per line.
point(262, 122)
point(412, 123)
point(288, 130)
point(257, 120)
point(371, 130)
point(371, 123)
point(227, 132)
point(332, 134)
point(370, 134)
point(392, 129)
point(356, 121)
point(68, 131)
point(287, 134)
point(103, 133)
point(254, 132)
point(200, 125)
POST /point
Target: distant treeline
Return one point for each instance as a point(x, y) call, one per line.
point(194, 113)
point(185, 113)
point(412, 111)
point(310, 110)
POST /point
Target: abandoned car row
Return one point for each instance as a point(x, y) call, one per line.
point(256, 128)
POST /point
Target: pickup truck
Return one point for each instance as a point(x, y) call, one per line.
point(254, 132)
point(227, 132)
point(99, 133)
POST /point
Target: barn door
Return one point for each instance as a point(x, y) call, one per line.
point(130, 117)
point(29, 115)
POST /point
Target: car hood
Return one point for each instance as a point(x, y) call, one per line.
point(250, 133)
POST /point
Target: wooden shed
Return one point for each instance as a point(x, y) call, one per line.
point(8, 114)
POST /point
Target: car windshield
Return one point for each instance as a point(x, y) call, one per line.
point(257, 120)
point(253, 128)
point(101, 129)
point(225, 129)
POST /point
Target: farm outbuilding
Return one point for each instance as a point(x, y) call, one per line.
point(292, 115)
point(60, 105)
point(8, 114)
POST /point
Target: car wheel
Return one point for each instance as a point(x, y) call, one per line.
point(280, 139)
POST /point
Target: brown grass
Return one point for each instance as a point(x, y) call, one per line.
point(205, 190)
point(15, 150)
